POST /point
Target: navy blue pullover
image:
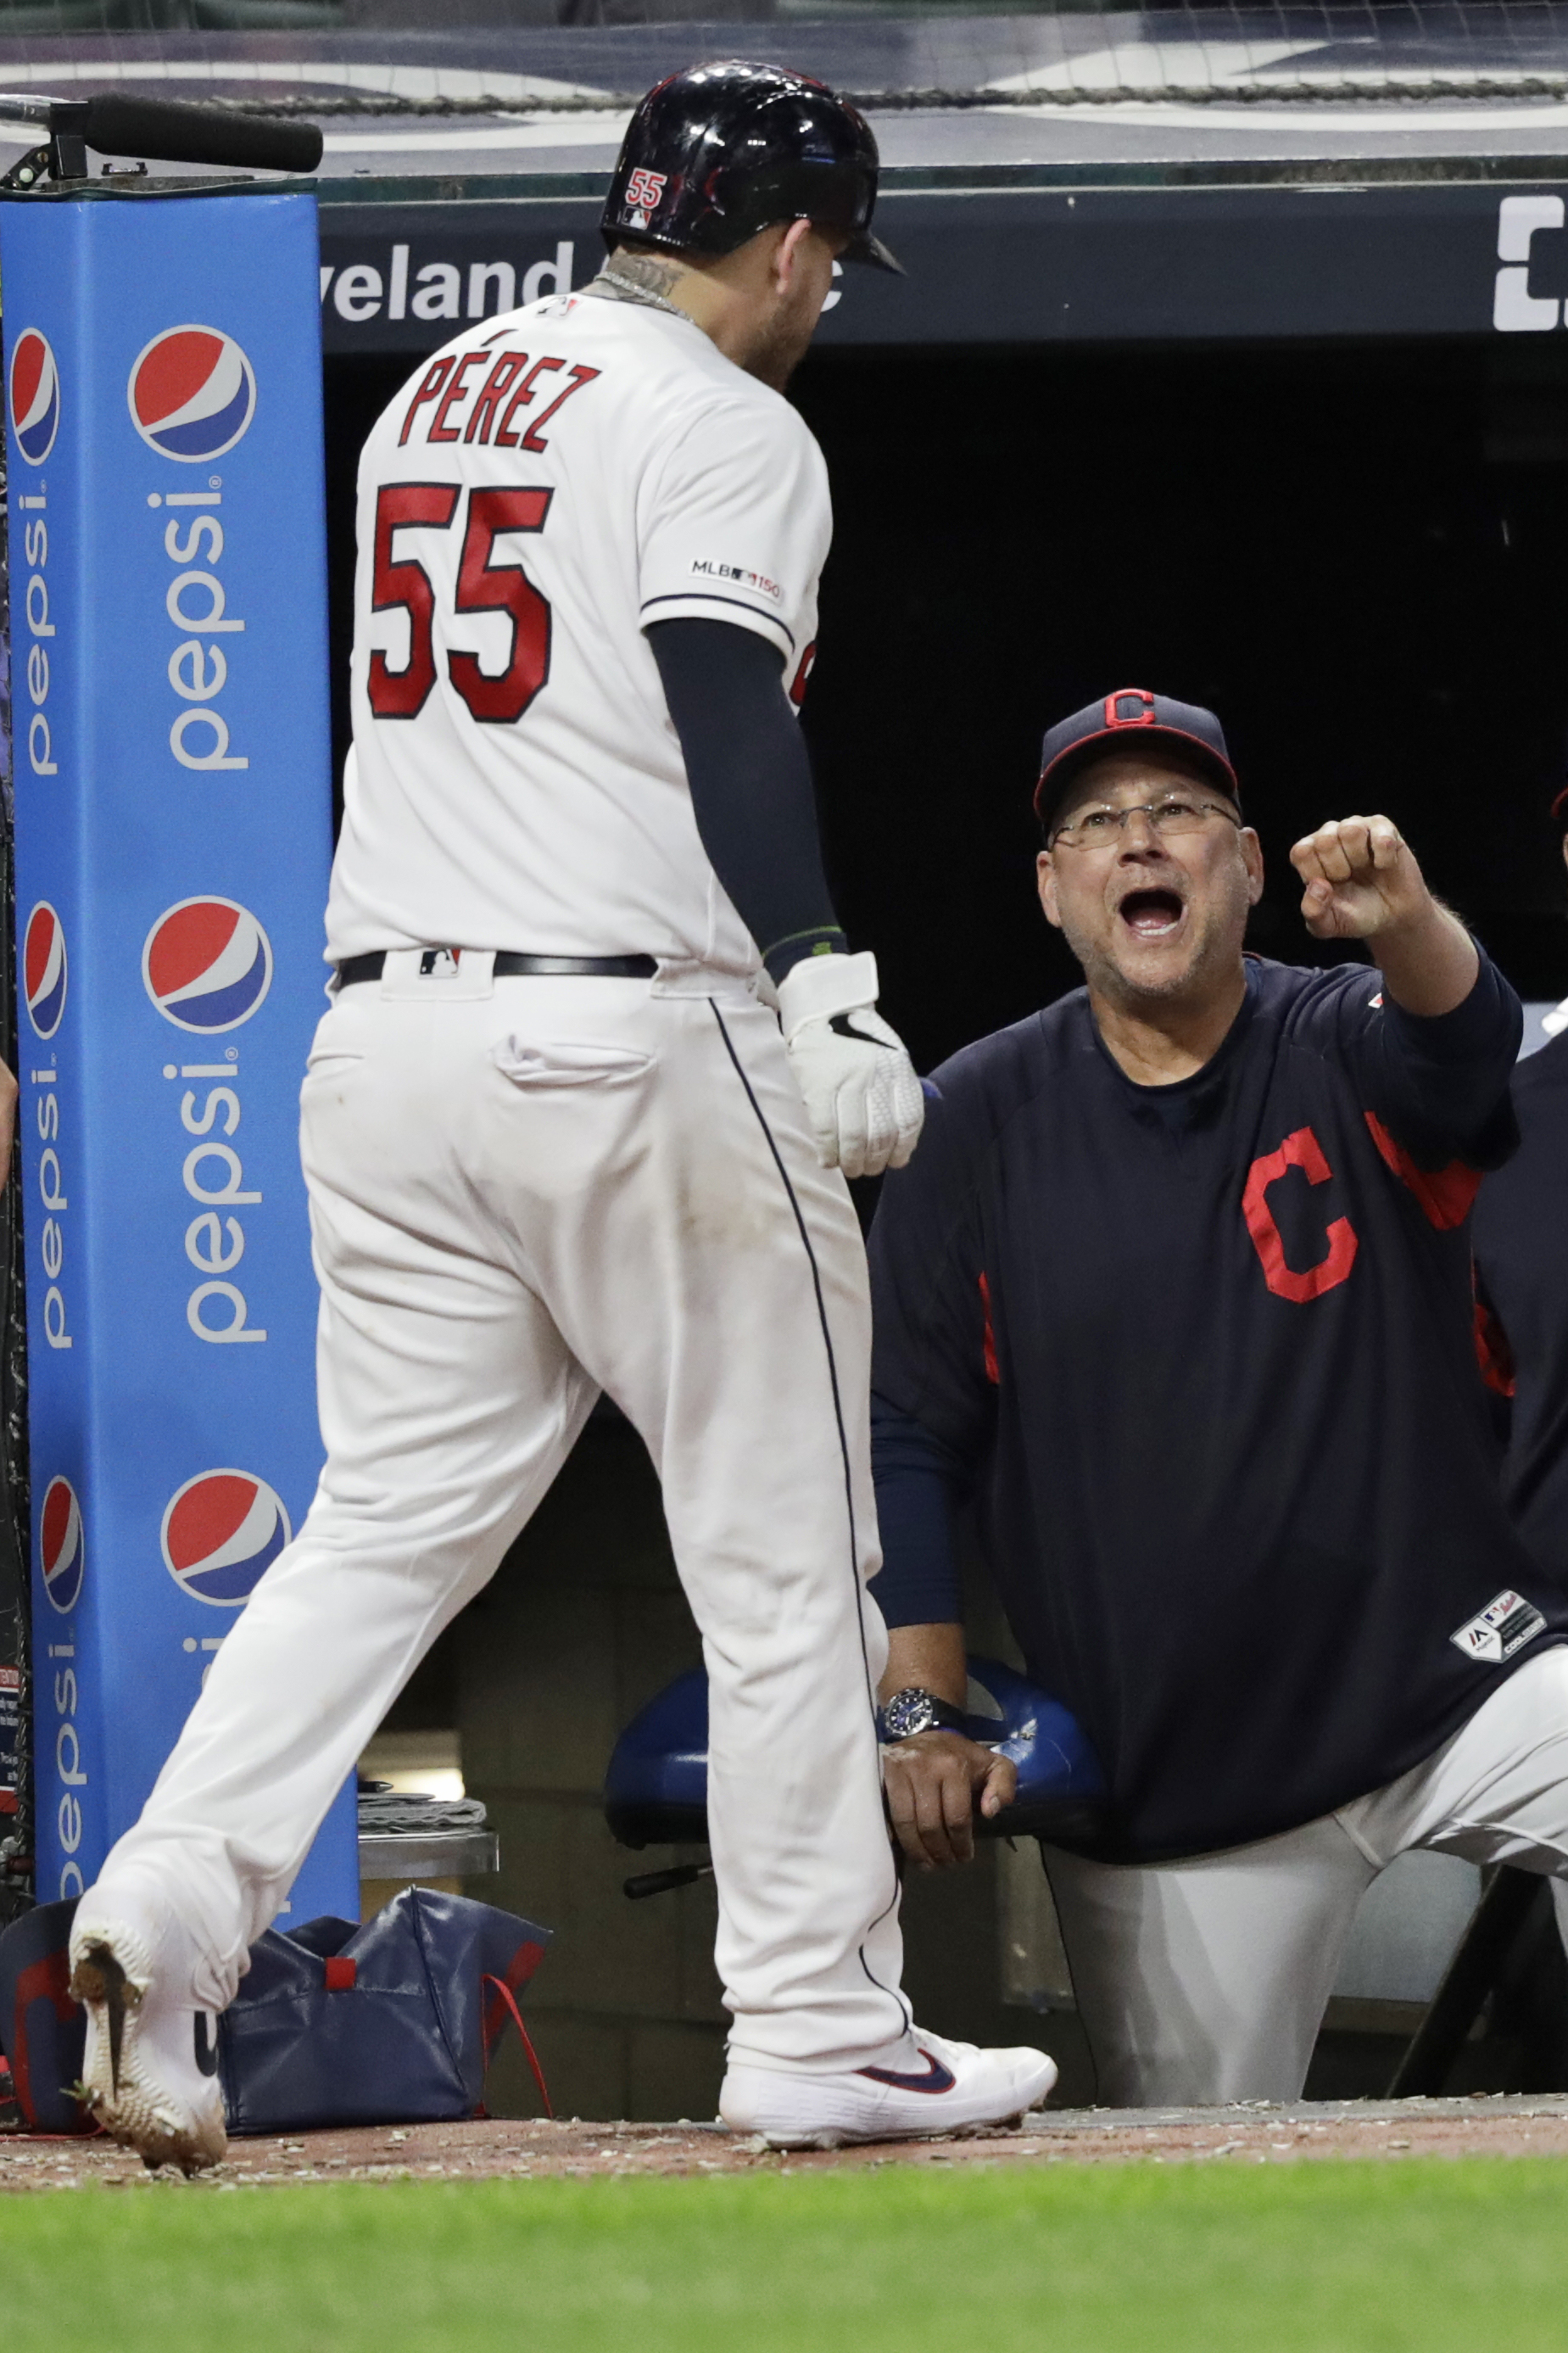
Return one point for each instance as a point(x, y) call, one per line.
point(1202, 1359)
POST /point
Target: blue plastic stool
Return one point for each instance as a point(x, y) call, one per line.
point(656, 1791)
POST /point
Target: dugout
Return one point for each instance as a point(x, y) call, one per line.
point(1258, 427)
point(1232, 360)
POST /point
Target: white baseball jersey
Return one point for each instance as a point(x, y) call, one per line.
point(543, 489)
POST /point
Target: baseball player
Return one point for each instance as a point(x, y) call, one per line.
point(1177, 1293)
point(559, 1142)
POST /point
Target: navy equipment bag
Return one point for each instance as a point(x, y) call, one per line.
point(42, 2032)
point(393, 2021)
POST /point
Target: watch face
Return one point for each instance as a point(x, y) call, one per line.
point(909, 1712)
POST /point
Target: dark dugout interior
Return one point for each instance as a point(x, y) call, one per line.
point(1357, 555)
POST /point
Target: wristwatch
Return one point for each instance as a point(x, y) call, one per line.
point(914, 1710)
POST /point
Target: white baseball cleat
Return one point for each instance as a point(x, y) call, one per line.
point(149, 2075)
point(924, 2084)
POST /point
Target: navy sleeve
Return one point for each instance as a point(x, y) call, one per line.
point(750, 775)
point(1440, 1085)
point(919, 1487)
point(932, 1352)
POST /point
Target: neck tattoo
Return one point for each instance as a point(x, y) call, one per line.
point(615, 285)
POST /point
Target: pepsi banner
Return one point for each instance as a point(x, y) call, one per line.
point(171, 753)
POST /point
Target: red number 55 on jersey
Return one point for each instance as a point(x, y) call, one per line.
point(483, 586)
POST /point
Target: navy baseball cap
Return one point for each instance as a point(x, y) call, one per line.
point(1127, 720)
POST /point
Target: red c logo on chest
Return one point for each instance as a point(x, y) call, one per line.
point(1301, 1150)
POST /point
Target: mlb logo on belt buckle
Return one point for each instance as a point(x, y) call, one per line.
point(449, 975)
point(1506, 1624)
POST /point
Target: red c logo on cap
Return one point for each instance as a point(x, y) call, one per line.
point(1142, 717)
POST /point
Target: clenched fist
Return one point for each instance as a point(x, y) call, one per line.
point(1360, 879)
point(1362, 883)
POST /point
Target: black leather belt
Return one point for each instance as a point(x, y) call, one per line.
point(508, 966)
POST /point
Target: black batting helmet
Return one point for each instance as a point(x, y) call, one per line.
point(716, 153)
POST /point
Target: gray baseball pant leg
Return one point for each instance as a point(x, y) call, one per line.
point(1206, 1981)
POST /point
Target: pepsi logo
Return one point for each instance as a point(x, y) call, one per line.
point(207, 964)
point(192, 394)
point(221, 1530)
point(35, 396)
point(60, 1545)
point(44, 969)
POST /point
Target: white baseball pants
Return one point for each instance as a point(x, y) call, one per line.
point(1205, 1980)
point(522, 1194)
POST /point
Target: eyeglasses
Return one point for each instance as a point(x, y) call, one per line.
point(1099, 828)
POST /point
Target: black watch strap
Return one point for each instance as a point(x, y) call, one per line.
point(915, 1710)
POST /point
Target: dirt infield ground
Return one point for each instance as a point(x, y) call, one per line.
point(496, 2149)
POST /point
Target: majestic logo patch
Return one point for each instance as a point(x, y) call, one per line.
point(1506, 1624)
point(35, 396)
point(192, 394)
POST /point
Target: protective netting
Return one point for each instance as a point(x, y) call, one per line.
point(332, 58)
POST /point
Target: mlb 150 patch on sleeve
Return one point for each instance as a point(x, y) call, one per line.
point(707, 567)
point(1506, 1624)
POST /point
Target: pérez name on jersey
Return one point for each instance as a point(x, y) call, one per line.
point(445, 388)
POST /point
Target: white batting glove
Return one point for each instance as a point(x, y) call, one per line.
point(862, 1098)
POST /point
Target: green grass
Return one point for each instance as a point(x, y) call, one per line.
point(1427, 2255)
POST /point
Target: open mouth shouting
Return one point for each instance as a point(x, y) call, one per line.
point(1151, 914)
